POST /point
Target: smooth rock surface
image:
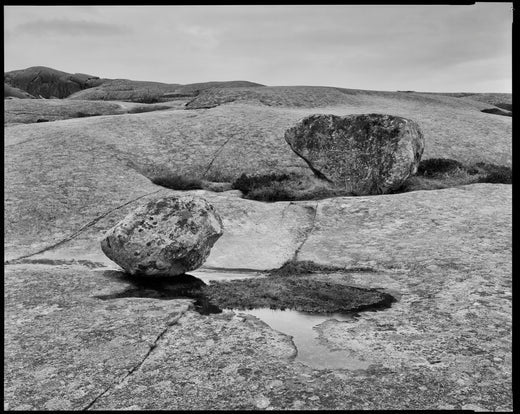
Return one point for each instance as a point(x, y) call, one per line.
point(447, 342)
point(164, 236)
point(365, 154)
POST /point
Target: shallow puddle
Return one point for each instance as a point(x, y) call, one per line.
point(300, 325)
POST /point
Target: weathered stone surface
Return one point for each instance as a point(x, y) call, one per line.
point(365, 154)
point(63, 346)
point(447, 255)
point(165, 236)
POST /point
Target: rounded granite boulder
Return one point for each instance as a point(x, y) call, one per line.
point(165, 236)
point(364, 154)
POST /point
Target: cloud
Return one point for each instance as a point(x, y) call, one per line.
point(70, 28)
point(199, 36)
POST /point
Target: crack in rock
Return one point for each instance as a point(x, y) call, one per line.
point(120, 383)
point(215, 156)
point(78, 232)
point(308, 232)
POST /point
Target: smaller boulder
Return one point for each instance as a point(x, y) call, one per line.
point(167, 236)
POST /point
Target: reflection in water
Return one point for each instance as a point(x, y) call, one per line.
point(300, 326)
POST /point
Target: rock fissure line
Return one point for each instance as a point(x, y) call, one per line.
point(317, 173)
point(76, 234)
point(285, 209)
point(215, 156)
point(308, 233)
point(139, 364)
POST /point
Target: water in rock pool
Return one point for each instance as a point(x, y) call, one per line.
point(300, 325)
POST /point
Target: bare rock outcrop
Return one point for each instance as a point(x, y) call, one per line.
point(365, 154)
point(166, 236)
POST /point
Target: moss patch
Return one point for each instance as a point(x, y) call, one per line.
point(294, 286)
point(296, 267)
point(294, 292)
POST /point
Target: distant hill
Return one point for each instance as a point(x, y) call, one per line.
point(324, 96)
point(41, 81)
point(193, 89)
point(500, 100)
point(126, 90)
point(44, 82)
point(290, 96)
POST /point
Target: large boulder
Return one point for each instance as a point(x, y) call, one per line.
point(166, 236)
point(364, 154)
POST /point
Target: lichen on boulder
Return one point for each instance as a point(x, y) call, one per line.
point(166, 236)
point(363, 154)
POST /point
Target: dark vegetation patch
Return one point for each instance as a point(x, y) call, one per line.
point(177, 182)
point(284, 187)
point(150, 99)
point(438, 173)
point(432, 174)
point(81, 114)
point(492, 173)
point(141, 109)
point(504, 105)
point(434, 167)
point(497, 111)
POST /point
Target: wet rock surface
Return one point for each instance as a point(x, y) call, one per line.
point(364, 154)
point(164, 236)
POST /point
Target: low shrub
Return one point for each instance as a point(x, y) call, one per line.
point(85, 115)
point(272, 192)
point(247, 183)
point(506, 106)
point(284, 187)
point(497, 178)
point(150, 99)
point(437, 166)
point(492, 173)
point(141, 109)
point(437, 173)
point(496, 111)
point(177, 182)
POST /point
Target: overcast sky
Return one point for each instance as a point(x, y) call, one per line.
point(436, 48)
